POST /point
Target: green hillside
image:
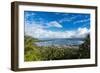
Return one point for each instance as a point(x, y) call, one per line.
point(43, 53)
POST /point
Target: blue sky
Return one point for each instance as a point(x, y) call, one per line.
point(56, 24)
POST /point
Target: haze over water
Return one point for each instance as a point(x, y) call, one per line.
point(60, 42)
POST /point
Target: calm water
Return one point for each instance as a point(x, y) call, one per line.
point(60, 42)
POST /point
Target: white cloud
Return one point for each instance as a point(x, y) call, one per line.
point(69, 19)
point(29, 14)
point(65, 19)
point(82, 32)
point(81, 21)
point(54, 24)
point(39, 32)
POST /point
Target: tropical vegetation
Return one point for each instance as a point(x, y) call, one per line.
point(43, 53)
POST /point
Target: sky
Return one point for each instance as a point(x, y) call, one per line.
point(39, 24)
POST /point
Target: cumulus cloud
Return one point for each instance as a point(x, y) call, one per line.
point(54, 24)
point(39, 32)
point(82, 32)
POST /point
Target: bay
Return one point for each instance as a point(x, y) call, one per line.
point(60, 42)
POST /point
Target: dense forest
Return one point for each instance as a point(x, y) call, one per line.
point(42, 53)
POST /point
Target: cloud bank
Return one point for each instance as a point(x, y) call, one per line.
point(38, 31)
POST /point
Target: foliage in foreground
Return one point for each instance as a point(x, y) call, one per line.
point(84, 50)
point(36, 53)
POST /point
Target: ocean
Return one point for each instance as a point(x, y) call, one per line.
point(60, 42)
